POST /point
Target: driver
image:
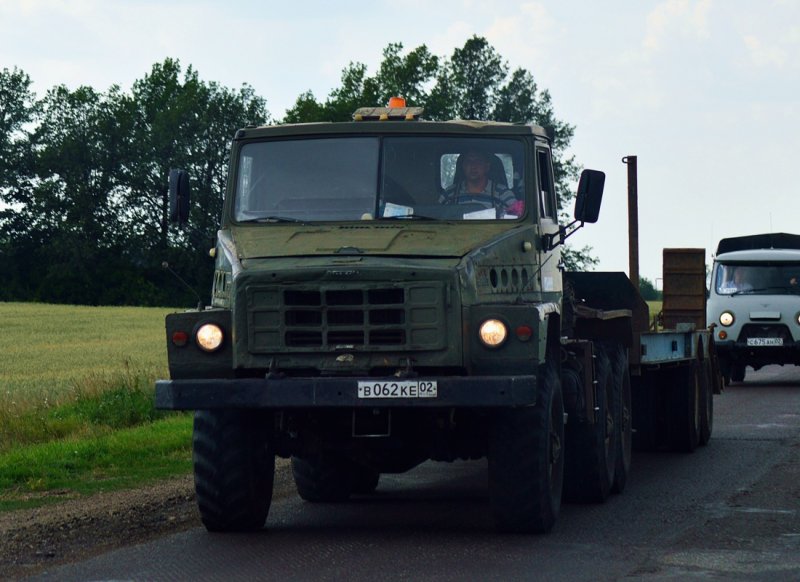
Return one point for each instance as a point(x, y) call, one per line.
point(476, 186)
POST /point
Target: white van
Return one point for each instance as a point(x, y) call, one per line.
point(754, 302)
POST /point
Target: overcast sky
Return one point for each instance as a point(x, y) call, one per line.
point(705, 92)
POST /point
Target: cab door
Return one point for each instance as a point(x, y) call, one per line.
point(549, 275)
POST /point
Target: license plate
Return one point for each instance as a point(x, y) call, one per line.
point(765, 341)
point(398, 389)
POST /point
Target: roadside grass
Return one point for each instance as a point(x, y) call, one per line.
point(76, 402)
point(108, 460)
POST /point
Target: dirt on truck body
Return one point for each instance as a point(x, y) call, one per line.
point(388, 291)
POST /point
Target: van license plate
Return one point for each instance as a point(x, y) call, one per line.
point(765, 341)
point(398, 389)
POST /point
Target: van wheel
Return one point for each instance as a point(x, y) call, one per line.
point(234, 469)
point(526, 460)
point(738, 372)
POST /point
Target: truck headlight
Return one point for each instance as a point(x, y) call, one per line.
point(726, 318)
point(209, 337)
point(493, 333)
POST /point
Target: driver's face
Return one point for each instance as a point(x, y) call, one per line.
point(476, 167)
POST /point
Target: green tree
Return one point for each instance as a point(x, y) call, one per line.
point(17, 112)
point(179, 121)
point(648, 290)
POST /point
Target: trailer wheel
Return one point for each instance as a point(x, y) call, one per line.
point(526, 460)
point(323, 478)
point(685, 398)
point(645, 421)
point(591, 455)
point(707, 404)
point(622, 382)
point(234, 469)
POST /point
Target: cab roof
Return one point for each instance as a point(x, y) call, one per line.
point(760, 255)
point(415, 127)
point(773, 240)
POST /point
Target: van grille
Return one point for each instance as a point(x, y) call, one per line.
point(379, 318)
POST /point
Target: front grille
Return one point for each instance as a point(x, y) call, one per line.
point(409, 317)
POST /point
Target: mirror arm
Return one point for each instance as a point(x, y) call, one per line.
point(551, 241)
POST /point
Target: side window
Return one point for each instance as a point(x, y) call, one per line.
point(547, 199)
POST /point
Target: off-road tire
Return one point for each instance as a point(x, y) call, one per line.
point(526, 460)
point(323, 478)
point(622, 379)
point(592, 448)
point(364, 480)
point(234, 469)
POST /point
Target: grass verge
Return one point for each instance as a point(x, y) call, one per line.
point(107, 460)
point(76, 402)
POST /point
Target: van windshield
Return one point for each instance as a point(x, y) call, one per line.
point(758, 278)
point(391, 178)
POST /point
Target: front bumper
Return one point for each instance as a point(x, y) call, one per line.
point(740, 352)
point(340, 392)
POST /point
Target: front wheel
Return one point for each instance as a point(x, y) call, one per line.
point(526, 460)
point(234, 469)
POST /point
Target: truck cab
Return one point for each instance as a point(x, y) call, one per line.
point(754, 300)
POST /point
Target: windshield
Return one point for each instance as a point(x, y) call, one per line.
point(758, 278)
point(391, 178)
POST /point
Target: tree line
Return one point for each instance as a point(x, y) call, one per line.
point(83, 174)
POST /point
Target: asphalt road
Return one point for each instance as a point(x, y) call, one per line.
point(729, 511)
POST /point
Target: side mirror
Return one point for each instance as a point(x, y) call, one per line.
point(178, 196)
point(590, 195)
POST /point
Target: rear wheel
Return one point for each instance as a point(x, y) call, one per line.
point(622, 380)
point(323, 478)
point(364, 479)
point(592, 448)
point(526, 460)
point(234, 469)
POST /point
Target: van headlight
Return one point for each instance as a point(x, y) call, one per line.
point(493, 333)
point(726, 318)
point(209, 337)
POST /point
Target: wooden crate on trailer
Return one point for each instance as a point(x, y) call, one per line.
point(684, 278)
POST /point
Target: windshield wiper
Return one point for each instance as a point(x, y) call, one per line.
point(263, 219)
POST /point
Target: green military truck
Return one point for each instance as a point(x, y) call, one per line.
point(373, 308)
